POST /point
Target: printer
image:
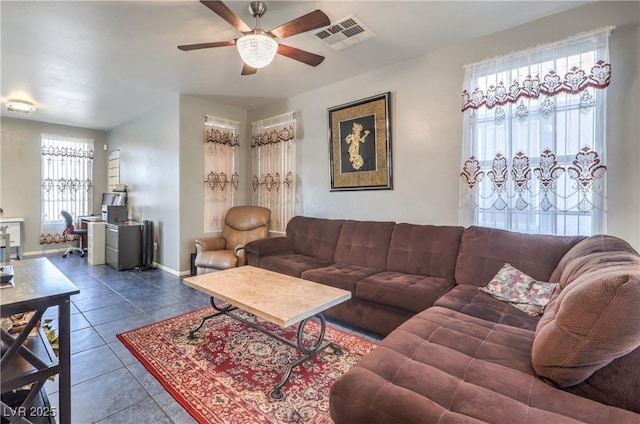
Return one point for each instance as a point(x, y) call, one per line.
point(114, 214)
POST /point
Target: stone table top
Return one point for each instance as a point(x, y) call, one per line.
point(277, 298)
point(36, 281)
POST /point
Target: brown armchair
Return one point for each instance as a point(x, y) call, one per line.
point(242, 224)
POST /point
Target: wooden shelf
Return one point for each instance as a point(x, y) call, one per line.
point(20, 372)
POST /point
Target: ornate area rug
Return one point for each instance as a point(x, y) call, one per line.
point(225, 375)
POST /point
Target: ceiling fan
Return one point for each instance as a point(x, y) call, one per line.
point(257, 47)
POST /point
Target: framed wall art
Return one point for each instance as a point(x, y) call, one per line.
point(360, 144)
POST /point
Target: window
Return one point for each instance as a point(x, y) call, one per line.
point(67, 182)
point(273, 151)
point(221, 177)
point(534, 138)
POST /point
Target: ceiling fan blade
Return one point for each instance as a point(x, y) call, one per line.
point(188, 47)
point(303, 56)
point(220, 9)
point(248, 70)
point(313, 20)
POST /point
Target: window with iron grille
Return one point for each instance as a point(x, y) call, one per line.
point(67, 182)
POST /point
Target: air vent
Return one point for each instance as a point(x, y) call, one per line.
point(347, 32)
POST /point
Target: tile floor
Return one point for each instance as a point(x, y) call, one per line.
point(109, 385)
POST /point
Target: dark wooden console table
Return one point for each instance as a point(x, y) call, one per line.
point(38, 285)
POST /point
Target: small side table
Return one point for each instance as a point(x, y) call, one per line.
point(38, 285)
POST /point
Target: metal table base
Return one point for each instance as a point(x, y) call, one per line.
point(307, 353)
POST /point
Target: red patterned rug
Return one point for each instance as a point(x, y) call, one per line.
point(225, 375)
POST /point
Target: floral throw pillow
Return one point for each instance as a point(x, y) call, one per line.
point(520, 290)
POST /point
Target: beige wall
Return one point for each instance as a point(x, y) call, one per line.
point(192, 111)
point(427, 124)
point(149, 150)
point(20, 173)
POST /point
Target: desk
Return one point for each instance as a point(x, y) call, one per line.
point(38, 286)
point(83, 222)
point(16, 232)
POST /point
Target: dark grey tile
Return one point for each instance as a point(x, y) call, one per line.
point(147, 411)
point(148, 304)
point(173, 409)
point(171, 311)
point(131, 283)
point(200, 301)
point(78, 322)
point(140, 292)
point(123, 353)
point(102, 397)
point(93, 363)
point(95, 291)
point(109, 330)
point(148, 381)
point(92, 303)
point(84, 339)
point(85, 281)
point(111, 313)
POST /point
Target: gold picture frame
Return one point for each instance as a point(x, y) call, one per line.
point(360, 144)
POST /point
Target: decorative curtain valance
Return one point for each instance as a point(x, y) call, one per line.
point(274, 182)
point(534, 140)
point(273, 130)
point(221, 179)
point(573, 82)
point(221, 131)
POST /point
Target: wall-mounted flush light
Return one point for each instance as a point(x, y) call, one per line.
point(20, 106)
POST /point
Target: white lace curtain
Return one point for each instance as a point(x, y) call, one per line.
point(221, 177)
point(534, 138)
point(67, 183)
point(273, 151)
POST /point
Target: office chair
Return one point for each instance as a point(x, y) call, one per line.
point(71, 230)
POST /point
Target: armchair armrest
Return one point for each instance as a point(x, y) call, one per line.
point(209, 243)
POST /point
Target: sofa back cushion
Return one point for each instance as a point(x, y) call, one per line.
point(594, 317)
point(424, 250)
point(315, 237)
point(364, 243)
point(483, 251)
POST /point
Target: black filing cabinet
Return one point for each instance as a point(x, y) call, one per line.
point(123, 245)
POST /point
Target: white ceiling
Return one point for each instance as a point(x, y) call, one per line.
point(96, 64)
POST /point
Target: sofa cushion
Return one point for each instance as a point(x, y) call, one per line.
point(342, 276)
point(520, 290)
point(468, 299)
point(292, 264)
point(424, 250)
point(443, 366)
point(410, 292)
point(314, 237)
point(594, 318)
point(364, 243)
point(483, 251)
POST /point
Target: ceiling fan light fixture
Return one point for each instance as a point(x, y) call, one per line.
point(20, 106)
point(257, 49)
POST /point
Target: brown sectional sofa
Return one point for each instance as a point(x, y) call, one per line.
point(453, 353)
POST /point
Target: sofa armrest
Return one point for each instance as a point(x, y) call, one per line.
point(209, 243)
point(257, 249)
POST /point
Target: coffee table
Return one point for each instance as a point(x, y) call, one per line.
point(277, 298)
